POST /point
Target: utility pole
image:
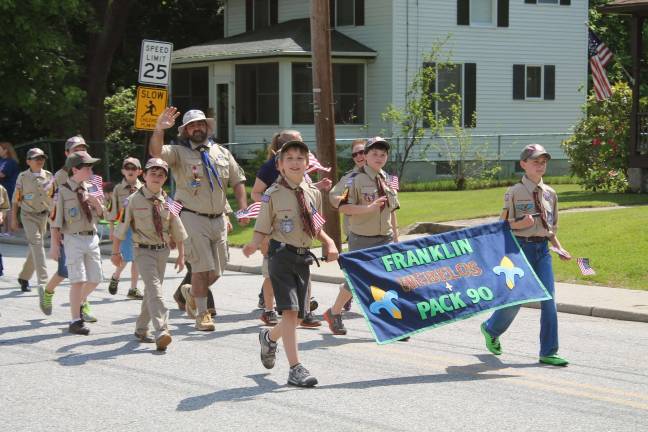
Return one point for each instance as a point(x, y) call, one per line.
point(323, 105)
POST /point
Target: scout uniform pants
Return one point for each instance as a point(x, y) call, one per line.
point(35, 225)
point(151, 265)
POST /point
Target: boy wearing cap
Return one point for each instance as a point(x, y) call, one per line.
point(531, 209)
point(131, 170)
point(76, 216)
point(154, 227)
point(290, 215)
point(33, 198)
point(72, 145)
point(371, 205)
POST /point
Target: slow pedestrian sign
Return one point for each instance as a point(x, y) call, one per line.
point(155, 62)
point(151, 102)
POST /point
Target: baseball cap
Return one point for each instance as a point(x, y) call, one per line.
point(292, 144)
point(35, 152)
point(75, 141)
point(156, 163)
point(533, 151)
point(376, 142)
point(79, 158)
point(132, 161)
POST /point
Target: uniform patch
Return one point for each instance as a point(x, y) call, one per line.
point(265, 198)
point(524, 207)
point(369, 197)
point(28, 197)
point(286, 225)
point(73, 212)
point(546, 195)
point(507, 197)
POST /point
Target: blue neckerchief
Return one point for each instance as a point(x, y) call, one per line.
point(208, 166)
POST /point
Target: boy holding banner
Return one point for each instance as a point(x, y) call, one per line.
point(291, 216)
point(371, 205)
point(531, 208)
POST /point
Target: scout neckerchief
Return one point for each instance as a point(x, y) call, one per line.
point(540, 209)
point(155, 212)
point(208, 166)
point(307, 220)
point(82, 196)
point(380, 187)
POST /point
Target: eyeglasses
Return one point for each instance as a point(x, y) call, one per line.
point(361, 152)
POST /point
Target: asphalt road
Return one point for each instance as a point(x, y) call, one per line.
point(443, 379)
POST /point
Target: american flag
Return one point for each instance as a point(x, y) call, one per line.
point(318, 219)
point(251, 212)
point(314, 164)
point(583, 265)
point(599, 56)
point(173, 206)
point(393, 182)
point(96, 186)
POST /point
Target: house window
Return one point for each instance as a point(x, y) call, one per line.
point(260, 13)
point(257, 94)
point(483, 13)
point(450, 81)
point(348, 93)
point(346, 12)
point(190, 89)
point(534, 82)
point(556, 2)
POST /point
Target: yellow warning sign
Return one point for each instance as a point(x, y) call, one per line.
point(151, 101)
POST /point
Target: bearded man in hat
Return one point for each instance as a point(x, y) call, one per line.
point(202, 171)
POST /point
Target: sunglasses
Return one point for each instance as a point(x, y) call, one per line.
point(38, 158)
point(361, 152)
point(131, 168)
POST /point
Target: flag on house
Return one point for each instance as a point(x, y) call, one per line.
point(599, 56)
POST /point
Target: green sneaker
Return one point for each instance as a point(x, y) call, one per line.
point(45, 300)
point(553, 360)
point(86, 313)
point(492, 343)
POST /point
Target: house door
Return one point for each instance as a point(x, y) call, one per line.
point(222, 113)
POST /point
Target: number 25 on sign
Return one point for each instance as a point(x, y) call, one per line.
point(155, 61)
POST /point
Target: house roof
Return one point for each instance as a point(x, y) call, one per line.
point(638, 7)
point(290, 38)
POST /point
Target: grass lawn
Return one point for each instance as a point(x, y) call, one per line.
point(615, 242)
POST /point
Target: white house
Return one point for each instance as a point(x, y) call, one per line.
point(522, 68)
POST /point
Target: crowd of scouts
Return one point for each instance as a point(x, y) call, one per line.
point(145, 224)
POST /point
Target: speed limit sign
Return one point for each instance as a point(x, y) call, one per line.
point(155, 62)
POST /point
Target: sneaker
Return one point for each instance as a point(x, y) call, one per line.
point(212, 312)
point(144, 337)
point(190, 302)
point(553, 360)
point(134, 294)
point(86, 313)
point(204, 322)
point(179, 299)
point(492, 343)
point(300, 376)
point(113, 285)
point(269, 318)
point(268, 349)
point(347, 305)
point(78, 327)
point(310, 321)
point(261, 303)
point(335, 323)
point(24, 285)
point(45, 300)
point(163, 341)
point(313, 304)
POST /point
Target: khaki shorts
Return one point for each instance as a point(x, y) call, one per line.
point(206, 246)
point(83, 258)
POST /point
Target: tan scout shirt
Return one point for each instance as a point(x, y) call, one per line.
point(192, 187)
point(34, 191)
point(363, 191)
point(61, 177)
point(280, 214)
point(339, 188)
point(4, 199)
point(139, 215)
point(120, 193)
point(69, 217)
point(518, 201)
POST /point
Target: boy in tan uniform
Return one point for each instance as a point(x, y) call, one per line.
point(289, 214)
point(76, 216)
point(131, 169)
point(154, 227)
point(33, 198)
point(371, 206)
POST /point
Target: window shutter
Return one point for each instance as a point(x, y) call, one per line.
point(332, 12)
point(550, 82)
point(463, 12)
point(359, 12)
point(518, 81)
point(565, 2)
point(274, 12)
point(502, 13)
point(530, 1)
point(248, 15)
point(470, 95)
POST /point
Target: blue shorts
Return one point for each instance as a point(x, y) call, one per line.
point(62, 268)
point(126, 247)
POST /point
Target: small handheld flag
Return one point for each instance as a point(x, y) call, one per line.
point(583, 265)
point(173, 206)
point(96, 186)
point(314, 164)
point(318, 220)
point(251, 212)
point(393, 182)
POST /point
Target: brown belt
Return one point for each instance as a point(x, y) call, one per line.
point(151, 247)
point(88, 233)
point(207, 215)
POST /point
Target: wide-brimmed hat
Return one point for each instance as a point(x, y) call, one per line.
point(156, 163)
point(133, 161)
point(533, 151)
point(74, 142)
point(35, 152)
point(376, 142)
point(77, 159)
point(197, 115)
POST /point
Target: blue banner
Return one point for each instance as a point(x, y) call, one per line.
point(406, 288)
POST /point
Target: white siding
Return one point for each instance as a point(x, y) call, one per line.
point(234, 17)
